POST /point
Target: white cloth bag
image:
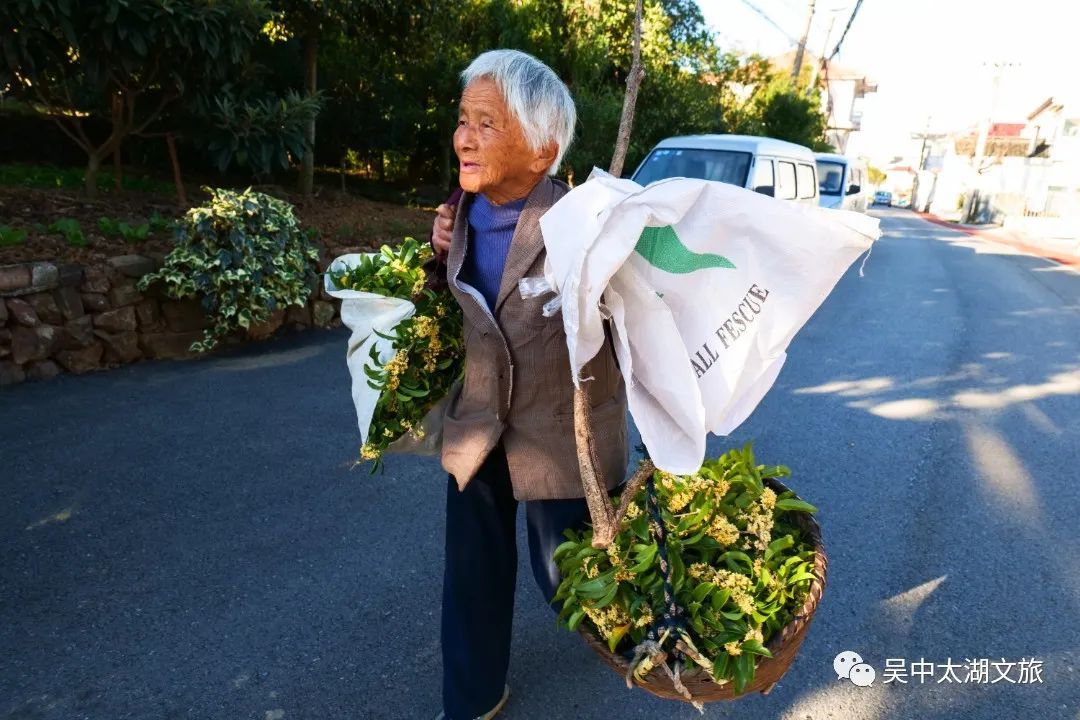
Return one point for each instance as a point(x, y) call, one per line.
point(703, 304)
point(364, 313)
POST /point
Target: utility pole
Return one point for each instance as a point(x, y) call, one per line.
point(924, 135)
point(972, 205)
point(920, 166)
point(797, 66)
point(820, 65)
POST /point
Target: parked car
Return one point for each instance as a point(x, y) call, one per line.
point(773, 167)
point(841, 181)
point(883, 197)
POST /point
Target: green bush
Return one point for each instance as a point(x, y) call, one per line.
point(71, 230)
point(133, 234)
point(244, 255)
point(159, 223)
point(49, 178)
point(11, 236)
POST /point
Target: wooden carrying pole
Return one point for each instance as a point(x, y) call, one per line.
point(605, 517)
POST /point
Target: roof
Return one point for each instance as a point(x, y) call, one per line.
point(744, 143)
point(837, 157)
point(999, 129)
point(1045, 105)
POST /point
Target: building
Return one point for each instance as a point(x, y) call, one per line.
point(842, 93)
point(1053, 182)
point(1026, 175)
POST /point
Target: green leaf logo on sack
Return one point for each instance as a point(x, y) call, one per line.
point(663, 249)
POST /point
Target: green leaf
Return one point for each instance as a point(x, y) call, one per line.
point(792, 504)
point(801, 577)
point(744, 672)
point(782, 543)
point(737, 560)
point(754, 646)
point(702, 591)
point(645, 560)
point(617, 635)
point(608, 597)
point(720, 598)
point(564, 548)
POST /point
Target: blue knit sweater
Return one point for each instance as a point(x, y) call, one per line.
point(491, 227)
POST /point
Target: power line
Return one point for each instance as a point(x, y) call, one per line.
point(769, 20)
point(847, 27)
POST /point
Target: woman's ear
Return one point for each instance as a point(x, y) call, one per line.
point(544, 158)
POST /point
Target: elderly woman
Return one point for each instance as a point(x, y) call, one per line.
point(509, 436)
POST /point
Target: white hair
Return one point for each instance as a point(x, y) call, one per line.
point(535, 95)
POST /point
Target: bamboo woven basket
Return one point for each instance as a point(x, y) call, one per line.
point(783, 646)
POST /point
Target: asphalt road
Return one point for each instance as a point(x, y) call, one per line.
point(189, 539)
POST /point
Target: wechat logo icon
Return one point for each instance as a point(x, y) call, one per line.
point(849, 665)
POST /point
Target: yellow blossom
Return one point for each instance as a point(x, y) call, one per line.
point(760, 524)
point(680, 500)
point(607, 619)
point(733, 648)
point(613, 555)
point(768, 499)
point(426, 326)
point(723, 530)
point(397, 364)
point(732, 581)
point(368, 452)
point(699, 571)
point(744, 601)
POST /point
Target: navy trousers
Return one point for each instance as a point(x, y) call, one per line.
point(480, 576)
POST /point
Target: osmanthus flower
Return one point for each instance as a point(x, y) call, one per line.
point(429, 353)
point(739, 567)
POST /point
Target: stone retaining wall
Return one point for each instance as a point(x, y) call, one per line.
point(62, 317)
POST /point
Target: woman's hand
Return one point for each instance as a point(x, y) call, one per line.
point(443, 229)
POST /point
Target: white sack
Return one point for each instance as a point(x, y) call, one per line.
point(702, 327)
point(364, 313)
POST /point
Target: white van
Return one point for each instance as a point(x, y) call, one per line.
point(777, 168)
point(844, 183)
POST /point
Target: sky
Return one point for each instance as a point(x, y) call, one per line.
point(934, 60)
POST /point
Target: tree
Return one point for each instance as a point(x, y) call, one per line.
point(788, 114)
point(128, 62)
point(310, 20)
point(877, 177)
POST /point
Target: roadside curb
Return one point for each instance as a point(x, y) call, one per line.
point(1006, 238)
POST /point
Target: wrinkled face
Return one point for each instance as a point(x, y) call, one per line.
point(494, 157)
